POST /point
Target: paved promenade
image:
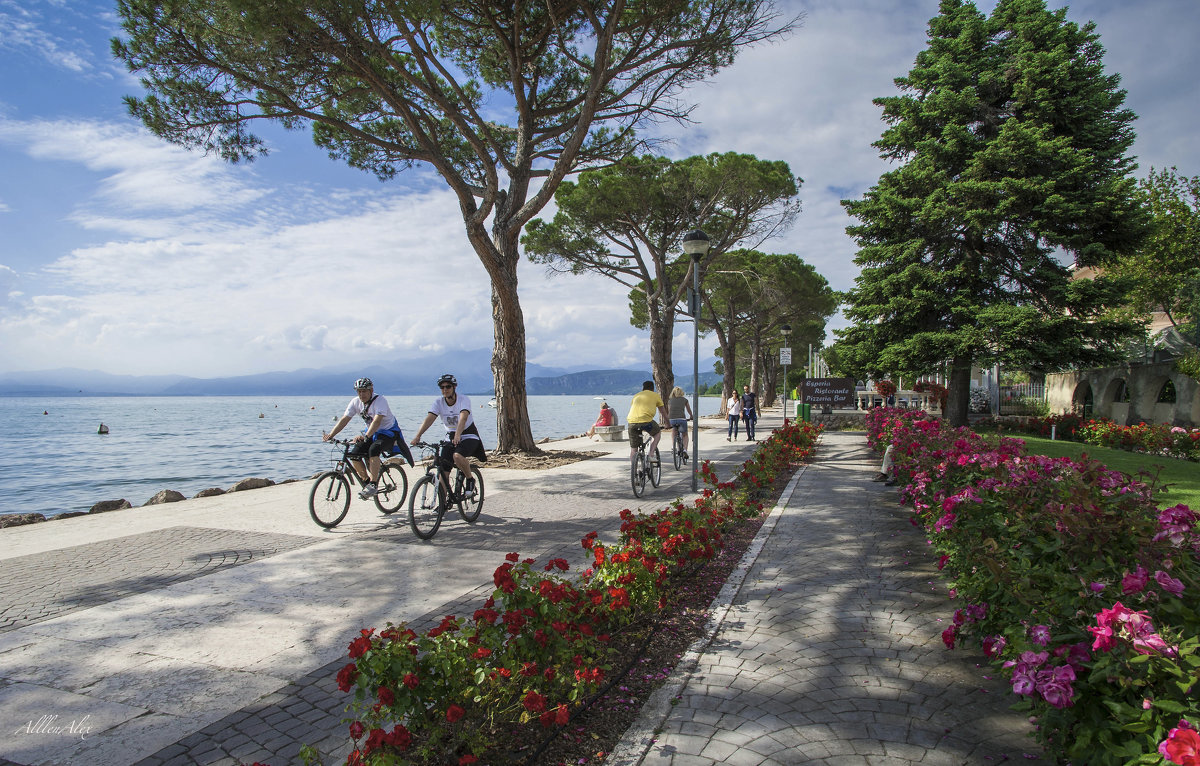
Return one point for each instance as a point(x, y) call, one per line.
point(826, 646)
point(209, 631)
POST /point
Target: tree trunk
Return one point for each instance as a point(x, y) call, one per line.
point(958, 401)
point(513, 431)
point(662, 328)
point(770, 378)
point(500, 257)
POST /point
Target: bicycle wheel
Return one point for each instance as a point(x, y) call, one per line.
point(654, 468)
point(329, 499)
point(637, 473)
point(677, 451)
point(393, 486)
point(469, 507)
point(425, 506)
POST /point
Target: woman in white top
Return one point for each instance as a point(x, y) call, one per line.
point(735, 414)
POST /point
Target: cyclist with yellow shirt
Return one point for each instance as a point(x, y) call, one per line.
point(641, 418)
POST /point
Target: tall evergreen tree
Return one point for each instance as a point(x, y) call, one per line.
point(1014, 146)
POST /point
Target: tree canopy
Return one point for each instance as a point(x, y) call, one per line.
point(502, 100)
point(1164, 273)
point(1013, 142)
point(748, 297)
point(626, 223)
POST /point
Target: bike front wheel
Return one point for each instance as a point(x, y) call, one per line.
point(329, 499)
point(637, 474)
point(393, 487)
point(425, 507)
point(654, 468)
point(470, 507)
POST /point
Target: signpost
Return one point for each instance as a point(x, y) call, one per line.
point(785, 358)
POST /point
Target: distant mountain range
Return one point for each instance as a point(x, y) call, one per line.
point(399, 378)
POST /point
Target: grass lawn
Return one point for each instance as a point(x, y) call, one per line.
point(1180, 477)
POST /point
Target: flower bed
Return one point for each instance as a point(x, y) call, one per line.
point(1170, 441)
point(1073, 583)
point(533, 655)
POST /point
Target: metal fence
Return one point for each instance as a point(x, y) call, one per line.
point(1023, 399)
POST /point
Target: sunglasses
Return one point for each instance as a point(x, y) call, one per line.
point(445, 388)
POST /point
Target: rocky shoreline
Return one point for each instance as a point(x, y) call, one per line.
point(164, 496)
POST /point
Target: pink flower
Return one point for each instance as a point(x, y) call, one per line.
point(1055, 686)
point(1168, 583)
point(1040, 635)
point(1136, 582)
point(994, 645)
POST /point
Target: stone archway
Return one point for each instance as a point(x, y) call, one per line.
point(1115, 401)
point(1083, 400)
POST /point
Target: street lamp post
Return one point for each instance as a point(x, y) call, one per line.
point(695, 244)
point(785, 354)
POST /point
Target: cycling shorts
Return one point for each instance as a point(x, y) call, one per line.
point(378, 445)
point(635, 432)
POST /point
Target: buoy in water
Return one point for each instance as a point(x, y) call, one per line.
point(103, 429)
point(261, 415)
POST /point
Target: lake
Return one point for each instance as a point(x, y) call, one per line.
point(57, 462)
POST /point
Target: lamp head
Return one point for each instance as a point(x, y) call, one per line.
point(786, 330)
point(696, 243)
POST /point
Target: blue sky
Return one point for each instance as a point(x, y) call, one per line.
point(122, 253)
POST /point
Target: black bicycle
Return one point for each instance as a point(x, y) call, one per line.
point(678, 448)
point(644, 466)
point(437, 490)
point(329, 500)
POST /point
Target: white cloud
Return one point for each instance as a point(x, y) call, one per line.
point(24, 30)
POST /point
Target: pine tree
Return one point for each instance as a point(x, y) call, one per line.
point(1014, 146)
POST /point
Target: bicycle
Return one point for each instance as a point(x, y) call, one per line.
point(678, 448)
point(329, 499)
point(434, 492)
point(644, 466)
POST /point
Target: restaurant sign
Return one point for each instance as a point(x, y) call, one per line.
point(828, 392)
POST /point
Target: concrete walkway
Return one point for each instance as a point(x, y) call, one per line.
point(826, 647)
point(209, 631)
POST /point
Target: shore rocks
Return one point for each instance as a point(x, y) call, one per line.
point(165, 496)
point(245, 484)
point(210, 492)
point(20, 519)
point(110, 505)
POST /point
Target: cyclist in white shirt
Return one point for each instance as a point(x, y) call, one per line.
point(382, 434)
point(454, 410)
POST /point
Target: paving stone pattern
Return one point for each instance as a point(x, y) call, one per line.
point(101, 572)
point(831, 652)
point(310, 710)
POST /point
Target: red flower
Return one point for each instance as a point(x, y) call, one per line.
point(359, 647)
point(466, 759)
point(1182, 745)
point(411, 681)
point(454, 713)
point(400, 737)
point(386, 697)
point(513, 557)
point(534, 702)
point(356, 730)
point(482, 652)
point(561, 716)
point(346, 677)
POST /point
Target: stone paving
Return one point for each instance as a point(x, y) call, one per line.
point(44, 585)
point(830, 651)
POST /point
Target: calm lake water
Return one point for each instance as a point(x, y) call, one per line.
point(57, 462)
